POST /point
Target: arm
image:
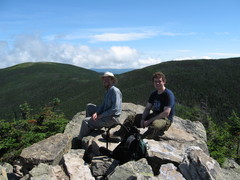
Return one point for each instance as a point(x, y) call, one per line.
point(145, 113)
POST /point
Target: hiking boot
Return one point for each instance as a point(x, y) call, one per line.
point(112, 138)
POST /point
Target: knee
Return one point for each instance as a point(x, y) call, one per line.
point(90, 106)
point(159, 125)
point(85, 122)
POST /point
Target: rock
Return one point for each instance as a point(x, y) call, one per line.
point(181, 153)
point(102, 166)
point(76, 167)
point(98, 142)
point(3, 173)
point(187, 132)
point(47, 172)
point(164, 152)
point(132, 170)
point(73, 128)
point(231, 170)
point(49, 151)
point(172, 145)
point(197, 165)
point(7, 170)
point(130, 109)
point(230, 164)
point(8, 167)
point(169, 171)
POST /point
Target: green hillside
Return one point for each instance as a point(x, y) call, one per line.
point(194, 82)
point(215, 83)
point(40, 83)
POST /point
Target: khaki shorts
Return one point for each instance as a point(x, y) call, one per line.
point(158, 126)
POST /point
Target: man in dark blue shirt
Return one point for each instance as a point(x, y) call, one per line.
point(162, 104)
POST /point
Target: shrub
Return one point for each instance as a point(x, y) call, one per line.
point(18, 134)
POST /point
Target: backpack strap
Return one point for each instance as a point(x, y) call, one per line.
point(108, 132)
point(129, 142)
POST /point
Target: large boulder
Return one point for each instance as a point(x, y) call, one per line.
point(48, 151)
point(198, 165)
point(132, 170)
point(76, 167)
point(172, 145)
point(169, 170)
point(73, 128)
point(102, 166)
point(47, 172)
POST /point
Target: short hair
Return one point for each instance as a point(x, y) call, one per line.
point(159, 75)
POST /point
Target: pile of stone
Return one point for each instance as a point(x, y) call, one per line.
point(181, 153)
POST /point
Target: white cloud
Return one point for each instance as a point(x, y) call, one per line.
point(142, 62)
point(34, 49)
point(121, 36)
point(115, 34)
point(225, 54)
point(191, 58)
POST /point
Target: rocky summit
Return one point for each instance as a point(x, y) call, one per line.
point(181, 153)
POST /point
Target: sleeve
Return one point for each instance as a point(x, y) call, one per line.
point(170, 100)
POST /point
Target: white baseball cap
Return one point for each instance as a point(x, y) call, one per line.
point(109, 74)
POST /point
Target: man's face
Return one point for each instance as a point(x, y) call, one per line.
point(158, 83)
point(107, 81)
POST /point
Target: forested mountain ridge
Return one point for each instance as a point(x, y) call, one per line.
point(39, 83)
point(214, 83)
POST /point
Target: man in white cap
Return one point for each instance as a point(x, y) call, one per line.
point(107, 114)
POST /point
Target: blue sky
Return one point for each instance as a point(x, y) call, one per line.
point(117, 33)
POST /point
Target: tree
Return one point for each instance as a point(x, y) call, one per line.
point(25, 110)
point(234, 122)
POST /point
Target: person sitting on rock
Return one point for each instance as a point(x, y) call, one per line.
point(106, 114)
point(162, 104)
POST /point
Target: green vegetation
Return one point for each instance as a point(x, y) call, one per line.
point(18, 134)
point(223, 140)
point(39, 83)
point(205, 90)
point(212, 83)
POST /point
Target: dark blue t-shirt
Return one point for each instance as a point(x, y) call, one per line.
point(165, 99)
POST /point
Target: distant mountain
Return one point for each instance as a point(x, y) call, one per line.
point(213, 82)
point(40, 83)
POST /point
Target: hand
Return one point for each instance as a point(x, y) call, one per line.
point(95, 116)
point(146, 123)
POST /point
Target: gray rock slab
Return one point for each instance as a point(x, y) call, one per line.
point(48, 151)
point(76, 167)
point(198, 165)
